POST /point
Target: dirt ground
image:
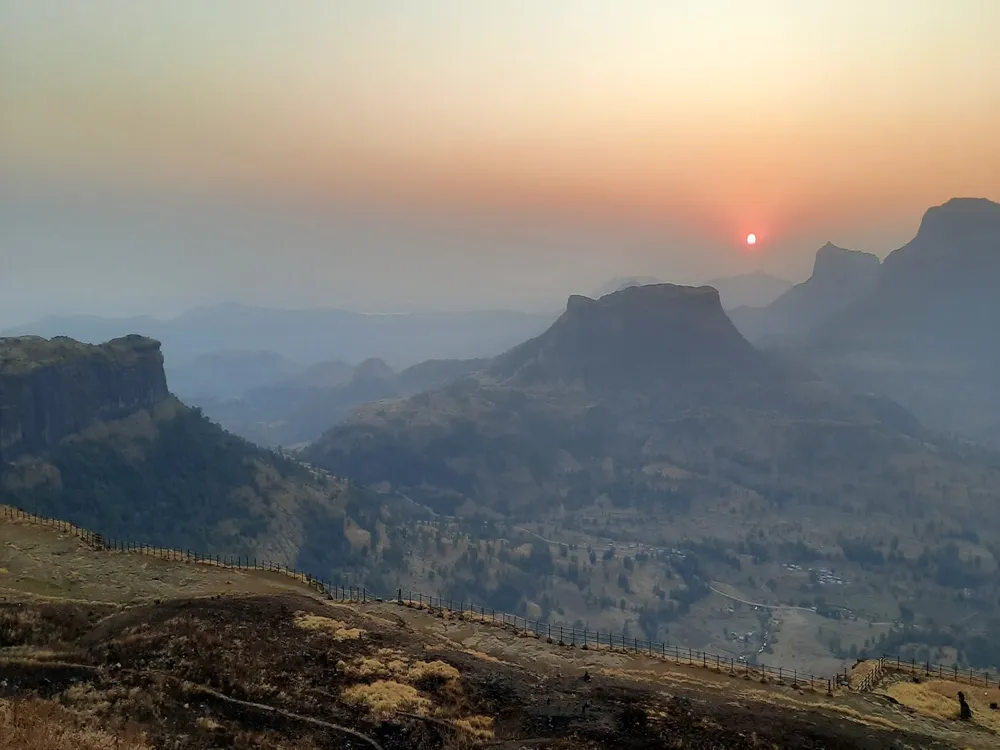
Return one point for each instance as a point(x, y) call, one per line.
point(266, 671)
point(38, 560)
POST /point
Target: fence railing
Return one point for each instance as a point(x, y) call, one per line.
point(874, 675)
point(982, 677)
point(608, 641)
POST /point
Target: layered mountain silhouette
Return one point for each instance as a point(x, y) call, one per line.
point(940, 290)
point(919, 328)
point(755, 289)
point(308, 336)
point(650, 392)
point(926, 333)
point(839, 279)
point(296, 409)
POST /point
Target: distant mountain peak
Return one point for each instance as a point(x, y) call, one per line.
point(623, 282)
point(961, 215)
point(644, 334)
point(833, 261)
point(373, 369)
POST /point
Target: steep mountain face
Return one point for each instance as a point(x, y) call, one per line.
point(50, 389)
point(648, 395)
point(938, 290)
point(91, 435)
point(840, 278)
point(926, 333)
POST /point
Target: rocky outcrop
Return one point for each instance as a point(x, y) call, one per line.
point(52, 388)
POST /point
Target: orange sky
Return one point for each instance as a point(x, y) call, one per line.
point(801, 121)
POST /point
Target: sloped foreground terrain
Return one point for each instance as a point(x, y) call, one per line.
point(227, 661)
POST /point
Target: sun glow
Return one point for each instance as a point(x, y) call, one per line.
point(751, 239)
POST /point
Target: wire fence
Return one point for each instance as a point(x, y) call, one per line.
point(977, 677)
point(562, 635)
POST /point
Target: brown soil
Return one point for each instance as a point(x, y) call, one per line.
point(245, 672)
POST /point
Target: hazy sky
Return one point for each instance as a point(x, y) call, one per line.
point(159, 154)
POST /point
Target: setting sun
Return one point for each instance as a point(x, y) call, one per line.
point(751, 239)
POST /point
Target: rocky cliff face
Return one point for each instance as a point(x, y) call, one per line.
point(52, 388)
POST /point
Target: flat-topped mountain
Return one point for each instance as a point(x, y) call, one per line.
point(647, 336)
point(51, 388)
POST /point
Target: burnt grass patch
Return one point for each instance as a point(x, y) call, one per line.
point(243, 672)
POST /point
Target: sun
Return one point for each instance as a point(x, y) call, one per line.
point(751, 239)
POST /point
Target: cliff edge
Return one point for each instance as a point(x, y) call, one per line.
point(52, 388)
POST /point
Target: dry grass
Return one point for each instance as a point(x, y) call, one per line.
point(383, 698)
point(387, 662)
point(938, 699)
point(478, 726)
point(397, 683)
point(43, 725)
point(208, 723)
point(421, 670)
point(336, 628)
